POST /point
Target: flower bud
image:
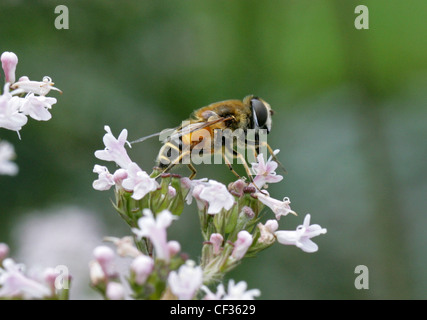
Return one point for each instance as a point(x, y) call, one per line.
point(4, 251)
point(241, 245)
point(272, 225)
point(248, 212)
point(216, 239)
point(115, 291)
point(105, 256)
point(186, 184)
point(96, 274)
point(171, 192)
point(244, 216)
point(9, 60)
point(49, 276)
point(125, 246)
point(236, 188)
point(23, 78)
point(174, 247)
point(142, 266)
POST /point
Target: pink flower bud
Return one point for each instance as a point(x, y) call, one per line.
point(9, 60)
point(186, 183)
point(241, 245)
point(142, 266)
point(216, 239)
point(248, 212)
point(23, 79)
point(96, 273)
point(103, 254)
point(4, 251)
point(237, 187)
point(174, 247)
point(105, 257)
point(50, 275)
point(115, 291)
point(272, 225)
point(171, 191)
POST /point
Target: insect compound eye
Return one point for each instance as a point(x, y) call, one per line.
point(260, 112)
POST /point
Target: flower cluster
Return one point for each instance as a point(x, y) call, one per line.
point(155, 278)
point(230, 220)
point(15, 283)
point(20, 99)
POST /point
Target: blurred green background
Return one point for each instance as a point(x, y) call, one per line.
point(350, 121)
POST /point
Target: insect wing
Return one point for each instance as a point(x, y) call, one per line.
point(192, 127)
point(175, 133)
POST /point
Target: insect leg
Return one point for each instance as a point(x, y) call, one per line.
point(175, 162)
point(254, 147)
point(273, 156)
point(227, 162)
point(238, 155)
point(193, 171)
point(245, 164)
point(247, 169)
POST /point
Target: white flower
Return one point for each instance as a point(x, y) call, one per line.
point(37, 107)
point(14, 109)
point(242, 244)
point(9, 60)
point(142, 266)
point(279, 208)
point(119, 176)
point(238, 291)
point(105, 179)
point(115, 148)
point(40, 88)
point(10, 117)
point(301, 236)
point(155, 230)
point(265, 172)
point(215, 195)
point(125, 246)
point(220, 292)
point(187, 281)
point(63, 235)
point(191, 184)
point(14, 283)
point(115, 291)
point(7, 153)
point(235, 292)
point(267, 231)
point(139, 182)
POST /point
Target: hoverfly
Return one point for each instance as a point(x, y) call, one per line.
point(250, 113)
